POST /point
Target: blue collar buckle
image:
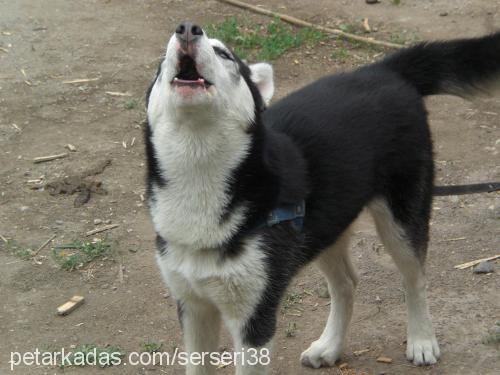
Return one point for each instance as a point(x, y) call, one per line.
point(289, 212)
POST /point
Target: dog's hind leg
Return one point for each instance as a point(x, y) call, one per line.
point(336, 266)
point(406, 243)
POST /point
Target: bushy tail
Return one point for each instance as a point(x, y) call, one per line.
point(459, 67)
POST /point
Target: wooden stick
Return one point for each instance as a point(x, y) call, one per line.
point(71, 305)
point(101, 229)
point(384, 359)
point(43, 245)
point(81, 80)
point(42, 159)
point(299, 22)
point(4, 239)
point(474, 262)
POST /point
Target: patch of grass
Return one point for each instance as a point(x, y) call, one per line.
point(267, 42)
point(397, 38)
point(340, 54)
point(494, 335)
point(131, 104)
point(292, 299)
point(291, 329)
point(77, 254)
point(19, 251)
point(151, 346)
point(348, 28)
point(93, 355)
point(24, 254)
point(396, 2)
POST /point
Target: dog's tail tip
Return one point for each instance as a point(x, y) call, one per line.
point(462, 67)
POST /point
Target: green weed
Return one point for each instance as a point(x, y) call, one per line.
point(291, 329)
point(267, 42)
point(77, 254)
point(292, 299)
point(130, 104)
point(151, 346)
point(340, 54)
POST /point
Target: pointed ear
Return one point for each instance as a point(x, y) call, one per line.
point(262, 76)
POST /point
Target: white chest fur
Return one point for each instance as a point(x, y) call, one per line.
point(235, 285)
point(197, 164)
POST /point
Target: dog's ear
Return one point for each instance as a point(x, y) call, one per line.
point(262, 76)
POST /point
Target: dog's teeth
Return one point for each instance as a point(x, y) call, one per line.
point(176, 79)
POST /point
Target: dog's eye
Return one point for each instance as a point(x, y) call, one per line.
point(223, 54)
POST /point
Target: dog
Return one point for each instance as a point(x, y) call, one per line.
point(243, 195)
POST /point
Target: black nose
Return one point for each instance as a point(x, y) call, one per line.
point(188, 32)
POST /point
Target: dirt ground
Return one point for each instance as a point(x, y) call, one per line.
point(117, 43)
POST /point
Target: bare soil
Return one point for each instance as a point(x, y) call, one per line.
point(117, 43)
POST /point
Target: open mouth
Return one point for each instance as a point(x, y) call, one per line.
point(188, 75)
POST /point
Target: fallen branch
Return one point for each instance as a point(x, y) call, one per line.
point(5, 240)
point(42, 159)
point(299, 22)
point(101, 229)
point(43, 245)
point(474, 262)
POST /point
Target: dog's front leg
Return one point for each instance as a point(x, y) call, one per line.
point(251, 359)
point(200, 321)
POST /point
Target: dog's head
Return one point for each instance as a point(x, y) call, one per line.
point(202, 75)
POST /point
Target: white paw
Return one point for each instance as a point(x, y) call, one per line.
point(422, 351)
point(321, 353)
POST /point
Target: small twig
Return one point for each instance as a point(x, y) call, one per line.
point(299, 22)
point(101, 229)
point(42, 159)
point(357, 353)
point(4, 239)
point(81, 80)
point(474, 262)
point(117, 93)
point(120, 273)
point(43, 245)
point(454, 239)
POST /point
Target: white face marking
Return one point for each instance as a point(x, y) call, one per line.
point(227, 96)
point(199, 140)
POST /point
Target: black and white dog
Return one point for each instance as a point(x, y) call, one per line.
point(229, 180)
